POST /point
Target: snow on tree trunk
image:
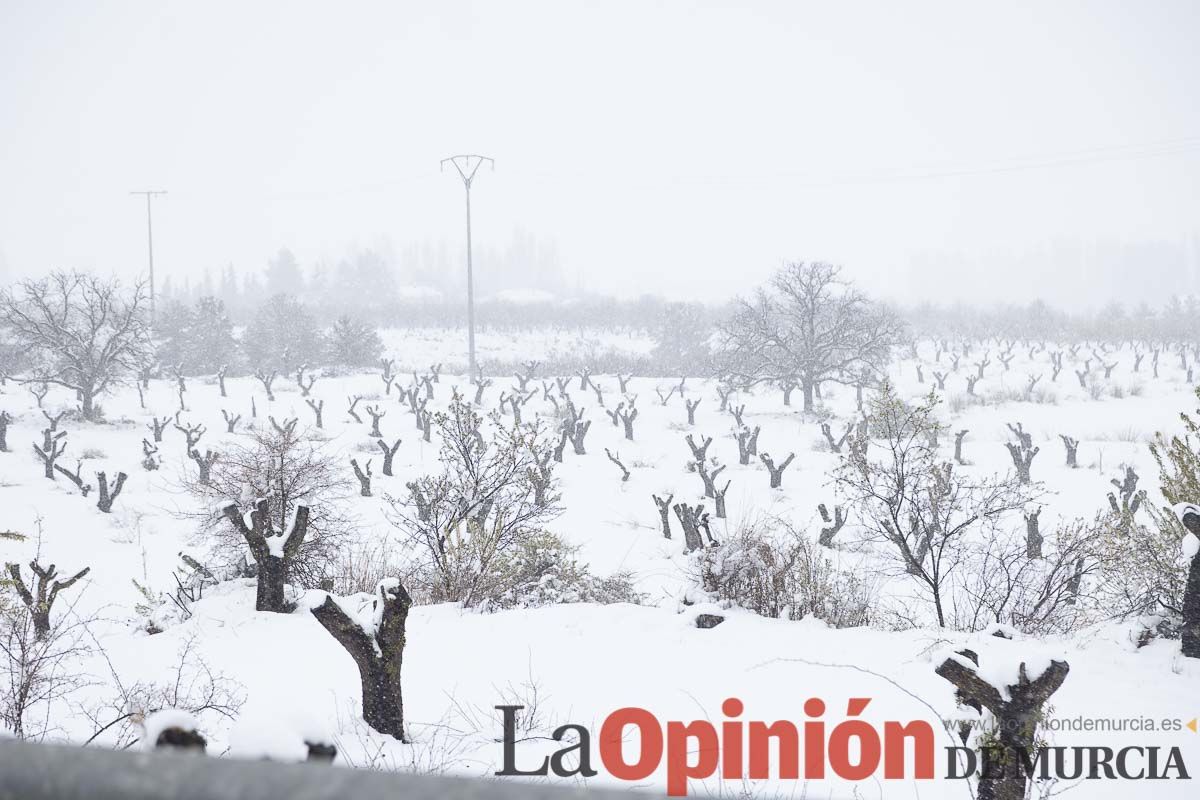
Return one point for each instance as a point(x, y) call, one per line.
point(1072, 446)
point(272, 552)
point(378, 652)
point(692, 519)
point(1189, 515)
point(107, 495)
point(364, 476)
point(775, 471)
point(40, 600)
point(389, 453)
point(1017, 717)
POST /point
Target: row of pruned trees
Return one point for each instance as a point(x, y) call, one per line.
point(955, 536)
point(86, 333)
point(475, 529)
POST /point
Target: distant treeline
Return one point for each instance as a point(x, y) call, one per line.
point(1175, 320)
point(365, 286)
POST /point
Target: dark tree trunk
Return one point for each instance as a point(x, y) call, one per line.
point(710, 487)
point(664, 513)
point(719, 500)
point(699, 452)
point(40, 600)
point(388, 454)
point(272, 568)
point(627, 417)
point(776, 472)
point(379, 655)
point(318, 408)
point(747, 441)
point(832, 526)
point(52, 447)
point(1191, 609)
point(1072, 446)
point(691, 518)
point(807, 387)
point(105, 502)
point(364, 476)
point(1002, 773)
point(1191, 591)
point(958, 445)
point(1033, 535)
point(204, 464)
point(1022, 458)
point(578, 432)
point(87, 398)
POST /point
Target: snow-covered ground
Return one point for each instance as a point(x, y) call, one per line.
point(580, 662)
point(418, 348)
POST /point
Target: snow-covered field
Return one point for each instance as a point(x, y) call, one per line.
point(580, 662)
point(418, 348)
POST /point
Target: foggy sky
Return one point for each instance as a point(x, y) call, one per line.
point(998, 151)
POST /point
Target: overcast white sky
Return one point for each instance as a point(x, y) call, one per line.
point(684, 147)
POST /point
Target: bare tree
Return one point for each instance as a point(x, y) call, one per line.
point(364, 476)
point(81, 332)
point(53, 445)
point(204, 464)
point(318, 408)
point(626, 414)
point(157, 426)
point(377, 648)
point(305, 385)
point(287, 470)
point(1189, 516)
point(835, 445)
point(354, 401)
point(693, 520)
point(1017, 709)
point(267, 379)
point(664, 512)
point(1072, 447)
point(810, 326)
point(108, 494)
point(958, 446)
point(376, 415)
point(917, 508)
point(1022, 452)
point(775, 470)
point(616, 459)
point(389, 453)
point(832, 525)
point(273, 552)
point(492, 495)
point(747, 441)
point(75, 477)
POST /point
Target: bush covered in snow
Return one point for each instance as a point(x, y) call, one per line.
point(539, 570)
point(773, 570)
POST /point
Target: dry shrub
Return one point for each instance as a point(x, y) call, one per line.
point(775, 571)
